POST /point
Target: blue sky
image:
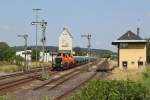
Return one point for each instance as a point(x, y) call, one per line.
point(106, 20)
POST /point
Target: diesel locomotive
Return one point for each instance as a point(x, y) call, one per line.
point(66, 60)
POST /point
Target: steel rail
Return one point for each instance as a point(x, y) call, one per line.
point(75, 88)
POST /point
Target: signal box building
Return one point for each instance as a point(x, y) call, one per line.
point(131, 50)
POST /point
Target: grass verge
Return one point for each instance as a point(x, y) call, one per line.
point(9, 68)
point(146, 78)
point(113, 90)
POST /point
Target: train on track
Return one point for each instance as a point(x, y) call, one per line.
point(66, 60)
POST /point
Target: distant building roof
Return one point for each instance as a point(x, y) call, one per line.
point(129, 37)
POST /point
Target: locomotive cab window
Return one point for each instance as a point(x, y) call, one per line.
point(59, 54)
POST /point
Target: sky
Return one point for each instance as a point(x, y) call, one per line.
point(105, 20)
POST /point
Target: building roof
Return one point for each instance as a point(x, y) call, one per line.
point(66, 29)
point(129, 37)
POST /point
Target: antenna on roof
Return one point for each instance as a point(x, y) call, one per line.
point(138, 27)
point(138, 31)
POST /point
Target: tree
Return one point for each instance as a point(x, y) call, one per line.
point(6, 53)
point(18, 60)
point(79, 51)
point(33, 54)
point(148, 50)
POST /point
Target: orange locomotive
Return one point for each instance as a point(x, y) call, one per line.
point(67, 60)
point(63, 61)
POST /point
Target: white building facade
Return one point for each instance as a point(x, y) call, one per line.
point(47, 56)
point(21, 53)
point(65, 41)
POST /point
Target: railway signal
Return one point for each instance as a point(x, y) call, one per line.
point(43, 40)
point(25, 36)
point(88, 36)
point(43, 25)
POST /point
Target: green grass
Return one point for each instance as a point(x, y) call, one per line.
point(138, 89)
point(113, 90)
point(6, 67)
point(5, 97)
point(146, 78)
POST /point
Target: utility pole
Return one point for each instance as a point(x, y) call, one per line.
point(25, 36)
point(36, 20)
point(88, 36)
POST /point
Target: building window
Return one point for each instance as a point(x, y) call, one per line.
point(123, 45)
point(140, 63)
point(124, 64)
point(132, 62)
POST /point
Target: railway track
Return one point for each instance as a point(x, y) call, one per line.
point(4, 87)
point(7, 85)
point(78, 86)
point(69, 75)
point(64, 80)
point(53, 80)
point(75, 88)
point(56, 79)
point(65, 77)
point(56, 82)
point(20, 73)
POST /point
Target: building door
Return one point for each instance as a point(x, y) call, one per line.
point(140, 63)
point(125, 64)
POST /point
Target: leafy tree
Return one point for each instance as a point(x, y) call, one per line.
point(79, 51)
point(6, 53)
point(33, 54)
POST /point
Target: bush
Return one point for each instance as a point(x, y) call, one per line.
point(146, 78)
point(33, 54)
point(113, 90)
point(18, 60)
